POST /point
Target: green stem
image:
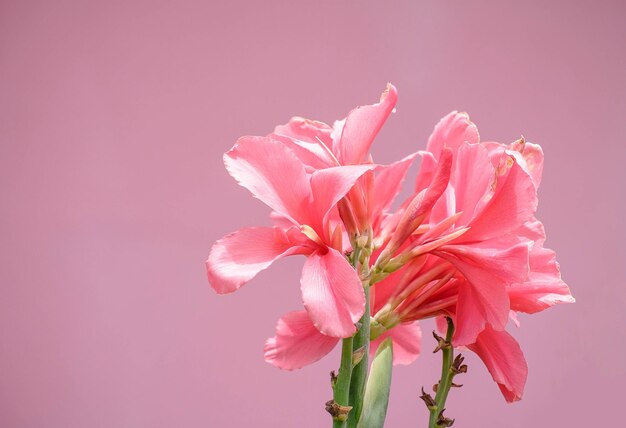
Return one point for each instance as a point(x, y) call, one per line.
point(341, 391)
point(359, 372)
point(447, 375)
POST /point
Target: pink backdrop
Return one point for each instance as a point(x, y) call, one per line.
point(113, 119)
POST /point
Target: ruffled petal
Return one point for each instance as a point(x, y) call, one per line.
point(261, 165)
point(426, 171)
point(332, 293)
point(471, 313)
point(451, 131)
point(388, 183)
point(505, 258)
point(528, 155)
point(489, 267)
point(544, 287)
point(422, 203)
point(406, 340)
point(472, 177)
point(533, 157)
point(362, 125)
point(297, 342)
point(329, 185)
point(240, 256)
point(505, 361)
point(513, 203)
point(310, 140)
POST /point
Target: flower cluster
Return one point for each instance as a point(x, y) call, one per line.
point(465, 245)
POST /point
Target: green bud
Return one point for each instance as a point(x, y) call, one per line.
point(376, 396)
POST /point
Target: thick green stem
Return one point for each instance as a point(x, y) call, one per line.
point(361, 346)
point(447, 376)
point(349, 386)
point(341, 391)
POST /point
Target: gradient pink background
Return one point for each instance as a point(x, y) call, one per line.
point(113, 119)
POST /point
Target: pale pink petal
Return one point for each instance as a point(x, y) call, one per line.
point(280, 221)
point(532, 230)
point(421, 204)
point(505, 361)
point(361, 126)
point(261, 164)
point(445, 207)
point(329, 185)
point(513, 203)
point(406, 340)
point(310, 140)
point(332, 293)
point(529, 156)
point(388, 184)
point(441, 324)
point(489, 268)
point(451, 131)
point(306, 130)
point(426, 171)
point(297, 342)
point(514, 318)
point(472, 177)
point(533, 155)
point(506, 258)
point(471, 316)
point(239, 256)
point(544, 287)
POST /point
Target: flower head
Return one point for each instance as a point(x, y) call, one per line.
point(466, 244)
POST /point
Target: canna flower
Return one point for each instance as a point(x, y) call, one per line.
point(329, 179)
point(466, 244)
point(331, 290)
point(478, 254)
point(347, 142)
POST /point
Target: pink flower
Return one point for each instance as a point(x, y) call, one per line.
point(478, 252)
point(465, 245)
point(347, 142)
point(302, 171)
point(331, 289)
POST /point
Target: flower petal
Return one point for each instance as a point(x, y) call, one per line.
point(513, 203)
point(406, 340)
point(533, 156)
point(388, 184)
point(544, 287)
point(422, 203)
point(273, 174)
point(361, 126)
point(489, 267)
point(297, 342)
point(451, 131)
point(472, 177)
point(329, 185)
point(310, 140)
point(239, 256)
point(505, 361)
point(332, 293)
point(505, 258)
point(470, 318)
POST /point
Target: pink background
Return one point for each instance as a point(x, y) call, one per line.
point(113, 119)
